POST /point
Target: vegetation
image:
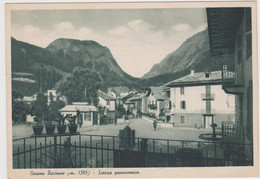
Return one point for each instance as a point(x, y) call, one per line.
point(19, 108)
point(39, 107)
point(53, 110)
point(81, 86)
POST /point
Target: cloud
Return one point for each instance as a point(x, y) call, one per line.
point(29, 29)
point(64, 26)
point(181, 27)
point(136, 45)
point(120, 30)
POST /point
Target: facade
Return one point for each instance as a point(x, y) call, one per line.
point(197, 100)
point(232, 27)
point(88, 113)
point(156, 101)
point(107, 101)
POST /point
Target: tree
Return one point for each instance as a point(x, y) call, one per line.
point(19, 108)
point(39, 107)
point(81, 85)
point(53, 109)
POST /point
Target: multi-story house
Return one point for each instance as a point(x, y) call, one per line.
point(107, 101)
point(197, 100)
point(230, 32)
point(156, 101)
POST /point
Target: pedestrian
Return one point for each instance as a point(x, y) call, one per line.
point(115, 120)
point(154, 125)
point(125, 117)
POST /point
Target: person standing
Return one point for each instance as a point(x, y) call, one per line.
point(154, 125)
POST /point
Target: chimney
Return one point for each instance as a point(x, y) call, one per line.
point(192, 72)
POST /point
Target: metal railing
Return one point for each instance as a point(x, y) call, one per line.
point(98, 151)
point(228, 76)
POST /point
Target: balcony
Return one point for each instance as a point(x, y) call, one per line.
point(205, 96)
point(229, 82)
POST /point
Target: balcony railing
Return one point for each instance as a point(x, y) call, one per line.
point(229, 82)
point(208, 111)
point(205, 96)
point(228, 76)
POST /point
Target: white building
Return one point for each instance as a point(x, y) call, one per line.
point(88, 113)
point(197, 100)
point(107, 101)
point(156, 100)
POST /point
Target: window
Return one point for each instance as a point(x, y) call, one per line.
point(170, 105)
point(108, 102)
point(182, 90)
point(182, 120)
point(183, 105)
point(168, 94)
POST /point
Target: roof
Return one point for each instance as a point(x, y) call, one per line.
point(105, 96)
point(223, 25)
point(81, 108)
point(215, 77)
point(120, 89)
point(158, 92)
point(136, 97)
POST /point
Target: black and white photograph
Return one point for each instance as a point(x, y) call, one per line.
point(128, 86)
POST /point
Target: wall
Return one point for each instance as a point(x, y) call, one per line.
point(110, 107)
point(222, 106)
point(196, 119)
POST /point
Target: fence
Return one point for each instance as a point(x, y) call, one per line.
point(97, 151)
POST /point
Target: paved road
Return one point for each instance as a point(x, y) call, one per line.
point(143, 129)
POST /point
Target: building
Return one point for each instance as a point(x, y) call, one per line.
point(156, 101)
point(197, 100)
point(55, 96)
point(230, 32)
point(107, 101)
point(88, 113)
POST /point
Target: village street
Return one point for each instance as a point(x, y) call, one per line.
point(143, 129)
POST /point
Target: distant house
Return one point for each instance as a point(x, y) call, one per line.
point(29, 99)
point(135, 101)
point(107, 101)
point(128, 104)
point(197, 100)
point(118, 91)
point(155, 101)
point(88, 113)
point(55, 96)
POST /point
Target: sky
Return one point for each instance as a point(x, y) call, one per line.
point(137, 38)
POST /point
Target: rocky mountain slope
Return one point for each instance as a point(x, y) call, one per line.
point(60, 58)
point(192, 54)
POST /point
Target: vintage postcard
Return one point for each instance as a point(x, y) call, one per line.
point(114, 90)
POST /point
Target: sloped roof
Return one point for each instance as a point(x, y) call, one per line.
point(105, 96)
point(120, 89)
point(81, 108)
point(197, 79)
point(137, 97)
point(158, 92)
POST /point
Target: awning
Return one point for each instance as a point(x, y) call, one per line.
point(223, 24)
